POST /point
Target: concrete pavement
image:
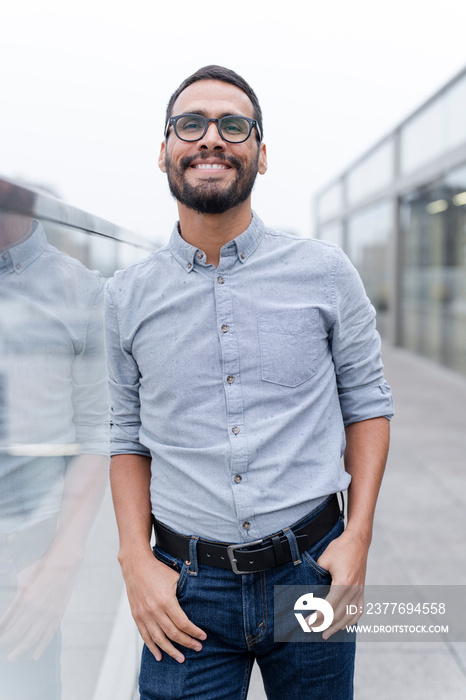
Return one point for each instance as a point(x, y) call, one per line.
point(420, 528)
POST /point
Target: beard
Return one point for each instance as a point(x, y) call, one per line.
point(208, 197)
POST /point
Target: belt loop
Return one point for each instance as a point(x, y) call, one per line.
point(342, 507)
point(280, 554)
point(290, 536)
point(192, 564)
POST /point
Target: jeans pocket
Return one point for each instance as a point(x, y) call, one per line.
point(312, 554)
point(288, 346)
point(312, 562)
point(174, 563)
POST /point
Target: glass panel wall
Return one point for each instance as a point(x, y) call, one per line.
point(60, 584)
point(330, 202)
point(369, 233)
point(433, 221)
point(438, 128)
point(374, 173)
point(456, 110)
point(97, 252)
point(423, 137)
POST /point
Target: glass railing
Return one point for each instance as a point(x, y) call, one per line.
point(65, 629)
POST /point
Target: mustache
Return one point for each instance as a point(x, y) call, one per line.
point(231, 160)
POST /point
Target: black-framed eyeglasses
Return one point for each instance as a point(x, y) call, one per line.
point(232, 128)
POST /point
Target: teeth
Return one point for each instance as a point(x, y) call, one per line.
point(210, 166)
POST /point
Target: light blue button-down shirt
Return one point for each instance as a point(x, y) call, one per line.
point(238, 380)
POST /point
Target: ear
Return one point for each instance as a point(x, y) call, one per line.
point(262, 165)
point(161, 160)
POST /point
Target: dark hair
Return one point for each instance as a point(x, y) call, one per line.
point(226, 75)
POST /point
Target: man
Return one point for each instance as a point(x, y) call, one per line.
point(236, 356)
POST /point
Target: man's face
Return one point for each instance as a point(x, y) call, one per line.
point(212, 176)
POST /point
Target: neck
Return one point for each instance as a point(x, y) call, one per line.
point(209, 232)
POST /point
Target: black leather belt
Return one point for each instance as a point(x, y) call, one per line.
point(250, 557)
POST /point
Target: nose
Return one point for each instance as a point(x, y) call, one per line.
point(211, 139)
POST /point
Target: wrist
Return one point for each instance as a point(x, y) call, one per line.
point(361, 531)
point(134, 553)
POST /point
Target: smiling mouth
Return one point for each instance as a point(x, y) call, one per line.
point(210, 166)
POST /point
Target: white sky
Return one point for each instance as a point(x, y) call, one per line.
point(84, 87)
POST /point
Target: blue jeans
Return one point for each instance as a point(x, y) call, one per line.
point(237, 614)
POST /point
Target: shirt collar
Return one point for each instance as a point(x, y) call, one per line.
point(21, 255)
point(245, 244)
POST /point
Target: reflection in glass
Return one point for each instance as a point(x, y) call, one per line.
point(53, 446)
point(369, 235)
point(434, 270)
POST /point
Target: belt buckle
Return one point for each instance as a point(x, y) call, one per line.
point(231, 549)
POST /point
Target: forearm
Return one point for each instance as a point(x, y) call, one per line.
point(150, 584)
point(346, 556)
point(130, 482)
point(365, 458)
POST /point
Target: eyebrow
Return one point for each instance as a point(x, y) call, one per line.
point(204, 113)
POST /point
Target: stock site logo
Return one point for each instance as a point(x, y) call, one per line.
point(306, 603)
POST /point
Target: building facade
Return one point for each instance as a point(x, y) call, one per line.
point(400, 213)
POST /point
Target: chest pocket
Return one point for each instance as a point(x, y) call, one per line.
point(288, 346)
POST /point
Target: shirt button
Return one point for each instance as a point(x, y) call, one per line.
point(238, 478)
point(235, 430)
point(199, 254)
point(189, 266)
point(5, 256)
point(246, 525)
point(225, 328)
point(230, 379)
point(242, 256)
point(18, 267)
point(220, 280)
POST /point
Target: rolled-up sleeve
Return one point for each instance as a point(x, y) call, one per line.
point(124, 378)
point(356, 349)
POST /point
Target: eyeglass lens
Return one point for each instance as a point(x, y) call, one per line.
point(192, 127)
